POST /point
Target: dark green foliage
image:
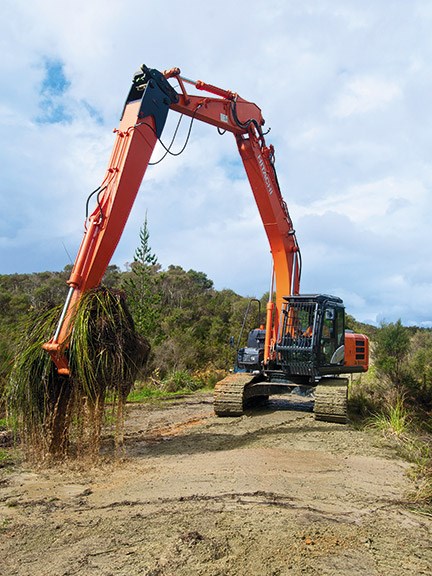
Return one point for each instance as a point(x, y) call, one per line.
point(112, 277)
point(401, 371)
point(196, 320)
point(392, 343)
point(181, 381)
point(420, 366)
point(140, 285)
point(143, 253)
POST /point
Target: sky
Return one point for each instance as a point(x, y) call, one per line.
point(344, 85)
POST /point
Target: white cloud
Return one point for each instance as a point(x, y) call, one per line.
point(365, 94)
point(343, 85)
point(397, 202)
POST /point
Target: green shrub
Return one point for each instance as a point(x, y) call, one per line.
point(181, 380)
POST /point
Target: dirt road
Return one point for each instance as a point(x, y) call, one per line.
point(273, 493)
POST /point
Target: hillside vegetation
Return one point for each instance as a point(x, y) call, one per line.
point(189, 325)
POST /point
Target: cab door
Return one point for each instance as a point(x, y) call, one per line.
point(332, 336)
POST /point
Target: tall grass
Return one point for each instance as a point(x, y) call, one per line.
point(412, 443)
point(394, 419)
point(33, 391)
point(58, 415)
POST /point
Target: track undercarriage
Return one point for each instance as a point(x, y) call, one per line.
point(233, 393)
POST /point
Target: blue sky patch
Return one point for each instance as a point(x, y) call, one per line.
point(52, 93)
point(93, 113)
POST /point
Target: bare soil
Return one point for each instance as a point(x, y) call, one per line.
point(272, 493)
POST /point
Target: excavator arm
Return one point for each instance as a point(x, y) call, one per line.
point(147, 105)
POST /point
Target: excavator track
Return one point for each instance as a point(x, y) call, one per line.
point(232, 393)
point(229, 394)
point(331, 400)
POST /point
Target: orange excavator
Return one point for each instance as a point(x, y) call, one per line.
point(304, 341)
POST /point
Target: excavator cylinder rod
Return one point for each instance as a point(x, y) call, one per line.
point(200, 85)
point(215, 90)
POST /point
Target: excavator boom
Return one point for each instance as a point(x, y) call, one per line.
point(147, 105)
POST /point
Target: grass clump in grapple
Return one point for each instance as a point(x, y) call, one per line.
point(59, 415)
point(105, 356)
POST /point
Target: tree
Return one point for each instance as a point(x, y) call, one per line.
point(141, 286)
point(143, 254)
point(392, 345)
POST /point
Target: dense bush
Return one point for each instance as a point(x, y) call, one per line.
point(401, 371)
point(187, 322)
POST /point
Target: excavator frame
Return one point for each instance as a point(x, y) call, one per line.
point(147, 105)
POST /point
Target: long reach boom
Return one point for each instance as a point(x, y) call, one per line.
point(150, 99)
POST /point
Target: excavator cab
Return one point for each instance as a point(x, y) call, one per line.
point(312, 340)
